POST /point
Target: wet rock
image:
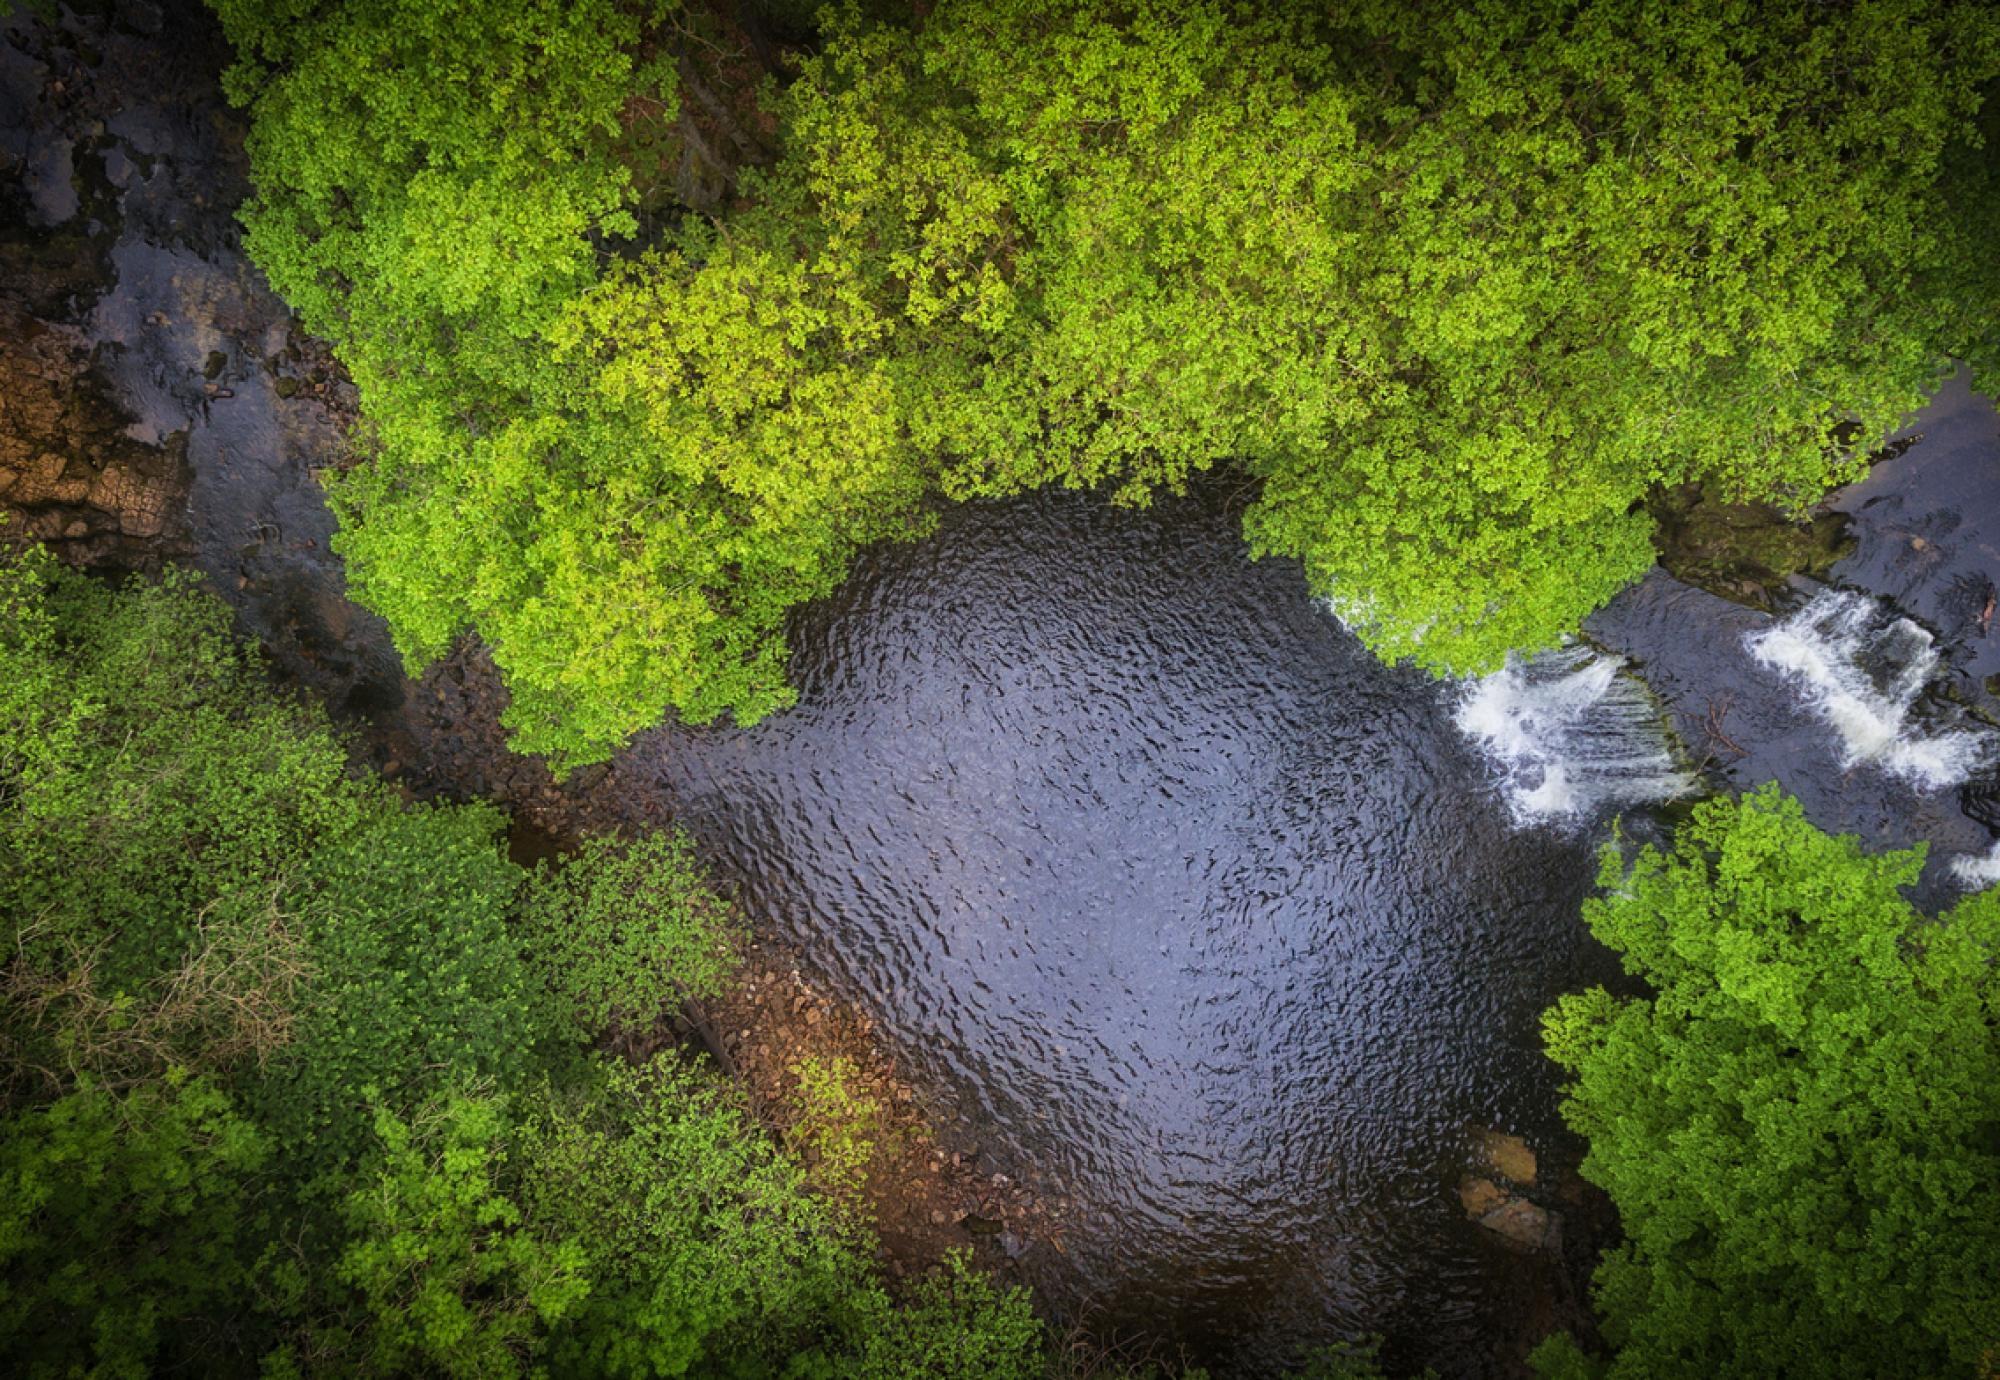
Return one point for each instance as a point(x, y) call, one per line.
point(975, 1225)
point(1508, 1155)
point(1480, 1196)
point(1743, 551)
point(1981, 800)
point(69, 473)
point(1521, 1223)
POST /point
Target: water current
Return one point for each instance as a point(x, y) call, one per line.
point(1223, 928)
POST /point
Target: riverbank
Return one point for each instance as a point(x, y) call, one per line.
point(1186, 953)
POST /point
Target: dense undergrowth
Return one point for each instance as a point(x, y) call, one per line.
point(303, 1079)
point(1456, 288)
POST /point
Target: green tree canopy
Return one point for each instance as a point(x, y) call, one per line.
point(1801, 1128)
point(1457, 287)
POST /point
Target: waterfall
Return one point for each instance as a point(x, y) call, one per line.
point(1570, 734)
point(1861, 668)
point(1978, 870)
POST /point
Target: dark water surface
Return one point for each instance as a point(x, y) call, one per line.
point(1213, 919)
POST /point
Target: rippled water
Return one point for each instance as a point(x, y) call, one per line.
point(1218, 924)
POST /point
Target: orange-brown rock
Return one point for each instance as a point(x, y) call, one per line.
point(70, 476)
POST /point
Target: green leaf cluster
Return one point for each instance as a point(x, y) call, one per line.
point(298, 1077)
point(1801, 1127)
point(621, 932)
point(1457, 289)
point(122, 1213)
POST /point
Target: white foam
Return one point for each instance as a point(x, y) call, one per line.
point(1570, 734)
point(1978, 870)
point(1861, 668)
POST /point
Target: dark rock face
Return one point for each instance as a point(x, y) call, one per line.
point(157, 400)
point(1981, 800)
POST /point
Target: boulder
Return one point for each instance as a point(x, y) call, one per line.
point(1480, 1196)
point(1521, 1223)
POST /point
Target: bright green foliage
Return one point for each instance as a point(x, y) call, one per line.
point(1456, 288)
point(955, 1326)
point(834, 1124)
point(121, 1215)
point(434, 181)
point(705, 1248)
point(418, 974)
point(1799, 1129)
point(435, 185)
point(620, 933)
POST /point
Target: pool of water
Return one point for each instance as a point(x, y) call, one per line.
point(1219, 926)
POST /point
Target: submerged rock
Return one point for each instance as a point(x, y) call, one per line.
point(1507, 1211)
point(1508, 1155)
point(1523, 1224)
point(1480, 1196)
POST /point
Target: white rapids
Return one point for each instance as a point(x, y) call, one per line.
point(1861, 668)
point(1570, 733)
point(1977, 870)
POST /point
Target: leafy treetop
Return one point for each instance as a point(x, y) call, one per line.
point(1455, 288)
point(1798, 1128)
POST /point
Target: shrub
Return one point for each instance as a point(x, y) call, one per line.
point(295, 1071)
point(706, 1248)
point(955, 1325)
point(127, 1224)
point(621, 933)
point(451, 1277)
point(1456, 289)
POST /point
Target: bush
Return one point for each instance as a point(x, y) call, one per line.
point(956, 1325)
point(1798, 1128)
point(127, 1224)
point(706, 1248)
point(451, 1277)
point(621, 933)
point(303, 1091)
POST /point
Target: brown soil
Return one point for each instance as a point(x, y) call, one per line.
point(922, 1196)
